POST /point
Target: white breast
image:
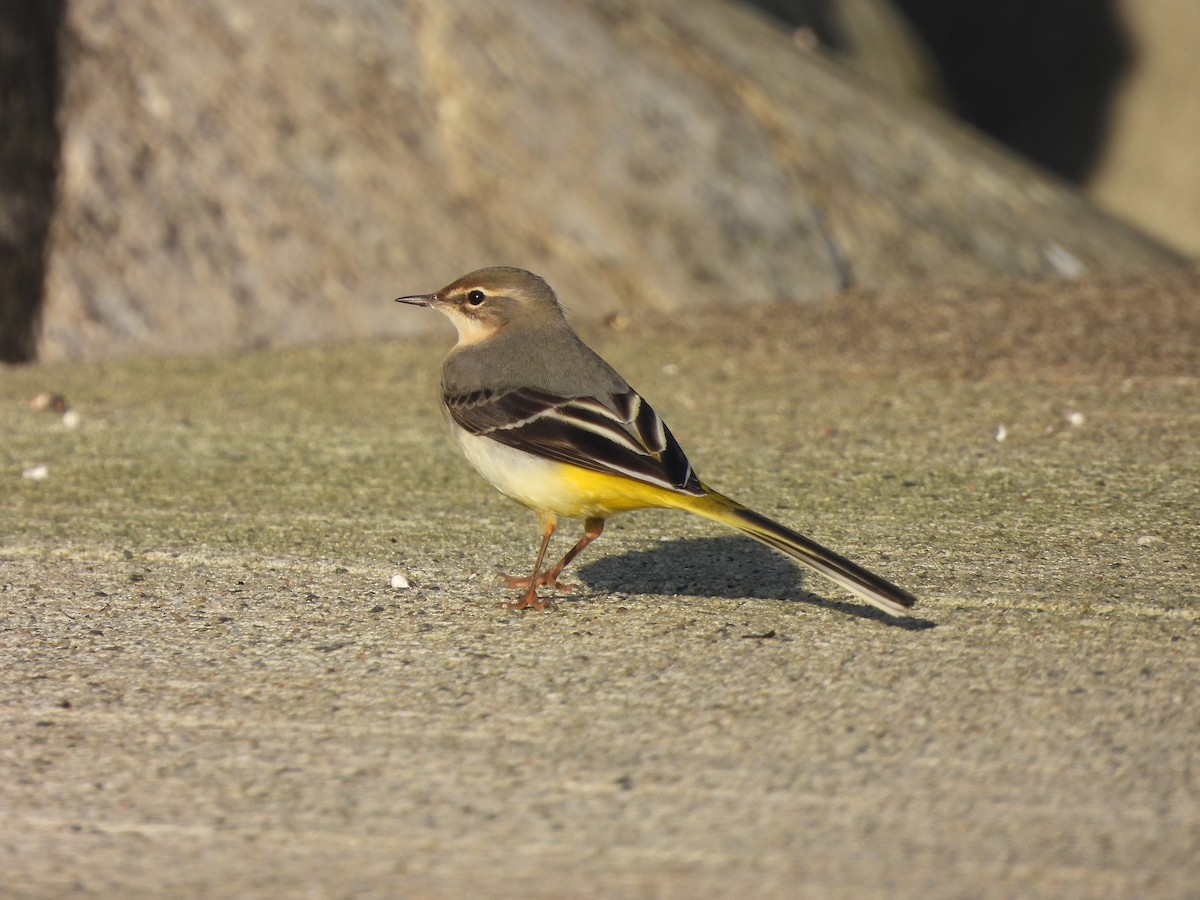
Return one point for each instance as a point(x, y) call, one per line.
point(530, 480)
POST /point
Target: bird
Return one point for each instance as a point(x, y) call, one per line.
point(554, 427)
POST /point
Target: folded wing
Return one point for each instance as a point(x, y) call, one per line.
point(624, 438)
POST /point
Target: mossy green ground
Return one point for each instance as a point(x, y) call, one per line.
point(210, 686)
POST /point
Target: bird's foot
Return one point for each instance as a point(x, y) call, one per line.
point(529, 601)
point(525, 583)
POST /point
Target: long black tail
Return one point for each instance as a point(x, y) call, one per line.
point(850, 575)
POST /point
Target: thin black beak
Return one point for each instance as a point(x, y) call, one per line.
point(418, 300)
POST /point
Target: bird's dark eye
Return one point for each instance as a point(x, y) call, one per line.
point(476, 298)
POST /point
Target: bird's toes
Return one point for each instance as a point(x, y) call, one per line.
point(529, 601)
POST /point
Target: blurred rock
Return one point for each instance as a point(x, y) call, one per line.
point(872, 37)
point(235, 174)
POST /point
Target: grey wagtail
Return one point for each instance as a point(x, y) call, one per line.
point(553, 426)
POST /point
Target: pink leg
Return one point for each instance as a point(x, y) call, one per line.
point(591, 530)
point(530, 585)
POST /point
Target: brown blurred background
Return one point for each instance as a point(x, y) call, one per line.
point(178, 177)
point(1104, 93)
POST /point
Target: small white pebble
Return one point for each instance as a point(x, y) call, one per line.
point(1147, 539)
point(36, 473)
point(1001, 432)
point(399, 582)
point(71, 419)
point(1063, 261)
point(670, 369)
point(1074, 418)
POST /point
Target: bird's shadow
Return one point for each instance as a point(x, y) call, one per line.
point(729, 566)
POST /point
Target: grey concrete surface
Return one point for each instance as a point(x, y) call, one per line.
point(210, 688)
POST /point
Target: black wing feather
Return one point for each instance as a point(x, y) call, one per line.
point(582, 431)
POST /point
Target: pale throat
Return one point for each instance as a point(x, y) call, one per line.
point(471, 330)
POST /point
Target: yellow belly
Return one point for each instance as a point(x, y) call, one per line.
point(562, 489)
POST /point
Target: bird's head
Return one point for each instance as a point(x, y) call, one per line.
point(485, 301)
